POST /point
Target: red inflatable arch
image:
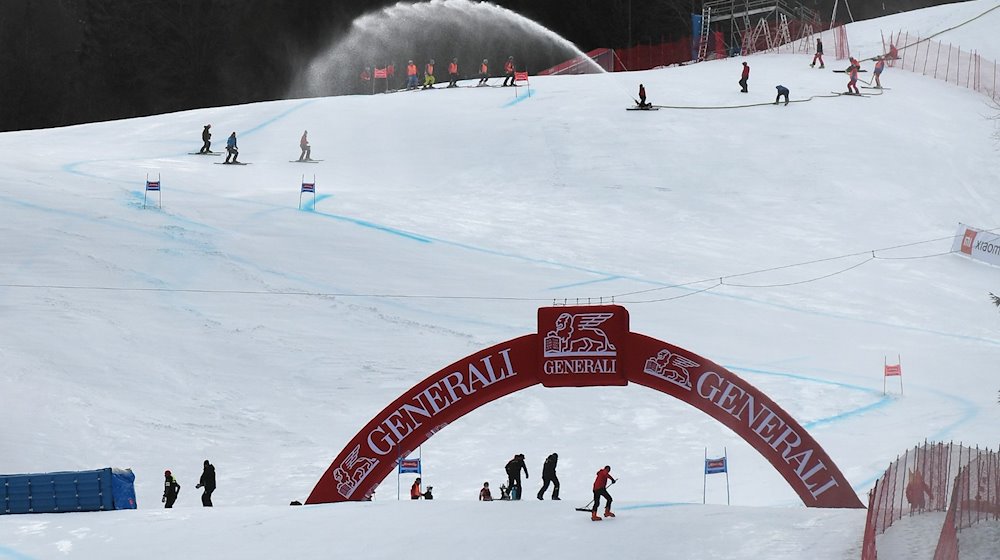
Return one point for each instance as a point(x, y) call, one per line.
point(583, 347)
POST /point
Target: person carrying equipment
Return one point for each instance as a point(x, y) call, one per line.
point(601, 489)
point(513, 468)
point(852, 70)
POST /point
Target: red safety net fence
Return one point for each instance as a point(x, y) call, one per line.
point(916, 482)
point(942, 61)
point(975, 500)
point(924, 479)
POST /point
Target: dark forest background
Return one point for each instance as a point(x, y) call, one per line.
point(73, 61)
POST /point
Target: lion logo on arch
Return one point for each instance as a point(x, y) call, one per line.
point(352, 471)
point(671, 367)
point(579, 335)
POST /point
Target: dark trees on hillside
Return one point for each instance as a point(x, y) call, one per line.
point(71, 61)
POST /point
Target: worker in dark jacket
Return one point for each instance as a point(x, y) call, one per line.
point(208, 483)
point(170, 489)
point(549, 475)
point(206, 137)
point(513, 469)
point(782, 92)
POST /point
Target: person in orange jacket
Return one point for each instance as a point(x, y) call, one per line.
point(484, 72)
point(601, 489)
point(453, 73)
point(852, 71)
point(429, 75)
point(411, 75)
point(508, 70)
point(415, 493)
point(879, 67)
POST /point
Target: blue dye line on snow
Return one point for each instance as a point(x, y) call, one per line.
point(519, 99)
point(277, 117)
point(656, 505)
point(13, 554)
point(585, 283)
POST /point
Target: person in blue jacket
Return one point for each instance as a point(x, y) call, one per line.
point(782, 92)
point(233, 151)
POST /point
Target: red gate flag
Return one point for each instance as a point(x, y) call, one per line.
point(520, 76)
point(152, 185)
point(891, 370)
point(380, 73)
point(309, 187)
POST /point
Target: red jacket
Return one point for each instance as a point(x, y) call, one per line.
point(601, 481)
point(411, 69)
point(508, 67)
point(453, 68)
point(415, 492)
point(746, 71)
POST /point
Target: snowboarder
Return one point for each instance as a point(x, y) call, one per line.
point(306, 154)
point(879, 67)
point(170, 489)
point(549, 475)
point(782, 92)
point(453, 73)
point(819, 54)
point(852, 70)
point(411, 75)
point(429, 75)
point(508, 70)
point(745, 77)
point(206, 137)
point(642, 98)
point(484, 494)
point(231, 149)
point(484, 72)
point(415, 493)
point(513, 469)
point(601, 489)
point(207, 482)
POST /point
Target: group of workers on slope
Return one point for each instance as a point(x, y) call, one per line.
point(430, 78)
point(171, 489)
point(232, 151)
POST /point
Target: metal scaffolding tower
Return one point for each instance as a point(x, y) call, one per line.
point(749, 20)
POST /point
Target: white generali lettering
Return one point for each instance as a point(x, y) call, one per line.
point(425, 405)
point(581, 366)
point(769, 426)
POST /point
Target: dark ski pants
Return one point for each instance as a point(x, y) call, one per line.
point(512, 482)
point(170, 501)
point(508, 77)
point(233, 153)
point(780, 95)
point(743, 84)
point(482, 80)
point(597, 499)
point(545, 486)
point(206, 497)
point(454, 80)
point(206, 148)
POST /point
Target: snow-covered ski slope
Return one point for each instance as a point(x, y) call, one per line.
point(156, 338)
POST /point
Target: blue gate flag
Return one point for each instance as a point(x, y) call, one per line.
point(715, 466)
point(409, 466)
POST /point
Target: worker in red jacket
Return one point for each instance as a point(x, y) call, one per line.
point(453, 73)
point(745, 77)
point(601, 489)
point(852, 71)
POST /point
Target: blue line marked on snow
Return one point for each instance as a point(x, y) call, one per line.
point(519, 99)
point(379, 227)
point(277, 117)
point(310, 205)
point(884, 400)
point(13, 554)
point(585, 283)
point(656, 505)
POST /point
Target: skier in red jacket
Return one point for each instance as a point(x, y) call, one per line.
point(601, 489)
